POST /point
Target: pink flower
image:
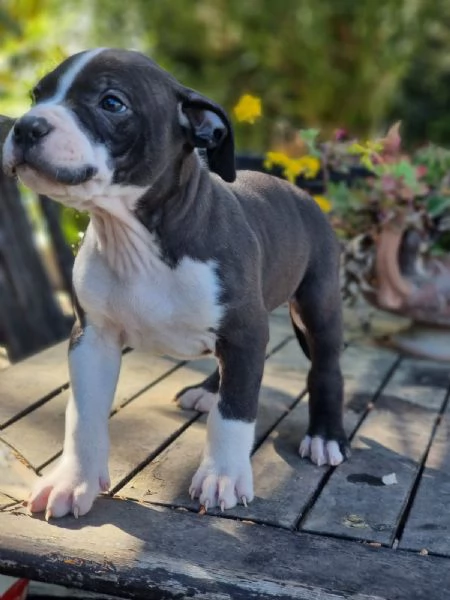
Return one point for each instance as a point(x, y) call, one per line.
point(421, 171)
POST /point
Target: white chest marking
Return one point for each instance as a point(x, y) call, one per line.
point(163, 310)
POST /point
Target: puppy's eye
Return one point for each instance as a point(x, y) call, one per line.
point(113, 104)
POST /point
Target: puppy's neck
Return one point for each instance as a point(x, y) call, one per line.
point(127, 247)
point(174, 195)
point(131, 227)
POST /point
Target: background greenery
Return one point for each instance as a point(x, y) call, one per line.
point(327, 64)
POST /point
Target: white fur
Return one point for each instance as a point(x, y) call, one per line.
point(82, 471)
point(225, 473)
point(68, 146)
point(321, 452)
point(124, 285)
point(66, 81)
point(198, 399)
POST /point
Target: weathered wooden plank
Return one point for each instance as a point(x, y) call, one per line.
point(366, 364)
point(16, 478)
point(27, 383)
point(33, 379)
point(285, 484)
point(151, 553)
point(417, 373)
point(166, 479)
point(145, 426)
point(6, 500)
point(39, 435)
point(428, 525)
point(354, 503)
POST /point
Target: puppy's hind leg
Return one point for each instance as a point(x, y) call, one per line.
point(317, 304)
point(201, 397)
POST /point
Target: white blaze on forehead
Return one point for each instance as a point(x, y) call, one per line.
point(65, 82)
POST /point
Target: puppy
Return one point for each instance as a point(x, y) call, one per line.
point(181, 258)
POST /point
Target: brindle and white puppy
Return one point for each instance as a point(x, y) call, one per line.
point(177, 259)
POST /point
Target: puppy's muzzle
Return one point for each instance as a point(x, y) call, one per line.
point(27, 135)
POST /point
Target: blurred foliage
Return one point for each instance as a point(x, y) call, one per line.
point(422, 99)
point(368, 184)
point(323, 65)
point(314, 65)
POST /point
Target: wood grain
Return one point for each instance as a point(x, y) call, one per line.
point(27, 383)
point(39, 435)
point(167, 478)
point(393, 439)
point(146, 552)
point(284, 483)
point(428, 525)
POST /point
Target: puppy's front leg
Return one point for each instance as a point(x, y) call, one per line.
point(82, 471)
point(225, 474)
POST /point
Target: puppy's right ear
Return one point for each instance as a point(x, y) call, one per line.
point(6, 124)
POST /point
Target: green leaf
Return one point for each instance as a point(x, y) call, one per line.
point(436, 205)
point(309, 136)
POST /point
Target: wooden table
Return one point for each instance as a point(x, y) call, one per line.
point(311, 533)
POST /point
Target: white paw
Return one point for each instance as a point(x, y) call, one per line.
point(198, 399)
point(224, 477)
point(216, 485)
point(68, 488)
point(321, 452)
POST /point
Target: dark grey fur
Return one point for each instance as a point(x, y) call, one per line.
point(271, 242)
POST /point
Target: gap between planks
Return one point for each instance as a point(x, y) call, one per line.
point(280, 476)
point(394, 438)
point(426, 526)
point(39, 436)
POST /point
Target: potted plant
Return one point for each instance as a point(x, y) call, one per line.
point(392, 211)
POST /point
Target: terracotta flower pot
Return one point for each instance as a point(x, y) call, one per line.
point(403, 283)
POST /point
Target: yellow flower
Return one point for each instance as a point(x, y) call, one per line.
point(248, 109)
point(324, 203)
point(308, 166)
point(366, 152)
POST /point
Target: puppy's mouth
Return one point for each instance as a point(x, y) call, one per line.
point(54, 173)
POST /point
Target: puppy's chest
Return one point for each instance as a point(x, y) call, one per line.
point(163, 310)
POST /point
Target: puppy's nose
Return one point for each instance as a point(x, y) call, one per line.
point(29, 130)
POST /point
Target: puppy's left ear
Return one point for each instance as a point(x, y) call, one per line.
point(206, 125)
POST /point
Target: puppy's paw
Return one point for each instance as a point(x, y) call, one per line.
point(197, 398)
point(68, 488)
point(323, 451)
point(219, 485)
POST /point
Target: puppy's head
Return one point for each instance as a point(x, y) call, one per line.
point(105, 120)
